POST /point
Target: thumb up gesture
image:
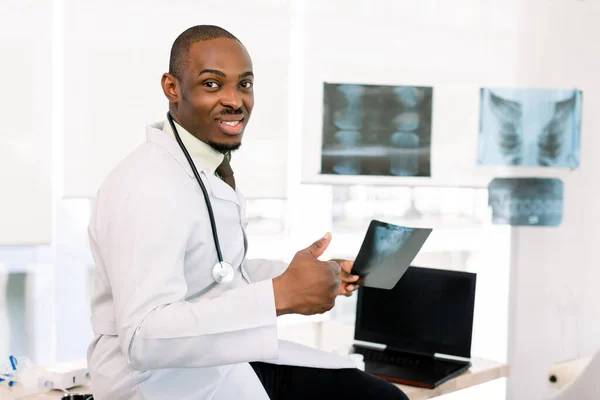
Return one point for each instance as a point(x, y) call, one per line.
point(310, 286)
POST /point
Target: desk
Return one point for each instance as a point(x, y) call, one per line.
point(482, 371)
point(332, 335)
point(52, 395)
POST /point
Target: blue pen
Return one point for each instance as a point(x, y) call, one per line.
point(13, 362)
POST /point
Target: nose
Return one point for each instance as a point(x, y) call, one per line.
point(232, 98)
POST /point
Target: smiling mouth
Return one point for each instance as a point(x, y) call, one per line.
point(231, 128)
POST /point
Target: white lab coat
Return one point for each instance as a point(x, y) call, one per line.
point(163, 329)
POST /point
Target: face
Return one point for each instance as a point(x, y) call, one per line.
point(213, 98)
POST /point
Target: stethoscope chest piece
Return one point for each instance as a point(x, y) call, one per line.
point(222, 272)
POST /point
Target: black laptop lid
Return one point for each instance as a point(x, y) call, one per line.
point(429, 311)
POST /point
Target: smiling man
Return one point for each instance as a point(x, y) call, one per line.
point(210, 89)
point(170, 321)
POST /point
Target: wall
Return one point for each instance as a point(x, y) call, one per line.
point(554, 285)
point(26, 123)
point(112, 84)
point(456, 47)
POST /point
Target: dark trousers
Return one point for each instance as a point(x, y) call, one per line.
point(284, 382)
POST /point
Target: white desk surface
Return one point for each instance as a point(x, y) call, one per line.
point(333, 334)
point(482, 371)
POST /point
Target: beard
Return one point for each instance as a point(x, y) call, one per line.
point(224, 148)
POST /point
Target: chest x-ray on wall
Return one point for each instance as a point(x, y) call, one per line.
point(526, 201)
point(530, 127)
point(376, 130)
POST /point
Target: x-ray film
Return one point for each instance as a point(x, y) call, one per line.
point(386, 253)
point(530, 127)
point(526, 201)
point(376, 130)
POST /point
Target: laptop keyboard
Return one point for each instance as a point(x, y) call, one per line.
point(394, 358)
point(408, 368)
point(409, 361)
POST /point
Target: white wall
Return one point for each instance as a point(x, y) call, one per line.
point(25, 122)
point(457, 47)
point(115, 55)
point(555, 275)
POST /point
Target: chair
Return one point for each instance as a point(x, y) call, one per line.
point(586, 383)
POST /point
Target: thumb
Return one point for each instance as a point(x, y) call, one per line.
point(318, 248)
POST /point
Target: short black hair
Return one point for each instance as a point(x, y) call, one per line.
point(181, 45)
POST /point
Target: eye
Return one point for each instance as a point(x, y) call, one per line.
point(246, 85)
point(211, 85)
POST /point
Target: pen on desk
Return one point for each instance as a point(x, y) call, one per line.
point(8, 376)
point(13, 362)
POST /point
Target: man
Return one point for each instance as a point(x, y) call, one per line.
point(165, 328)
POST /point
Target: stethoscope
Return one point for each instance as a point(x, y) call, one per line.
point(222, 272)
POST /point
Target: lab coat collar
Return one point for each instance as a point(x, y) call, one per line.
point(155, 134)
point(204, 155)
point(218, 188)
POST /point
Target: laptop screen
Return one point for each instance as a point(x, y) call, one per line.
point(429, 311)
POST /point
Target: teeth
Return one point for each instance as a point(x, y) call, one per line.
point(230, 123)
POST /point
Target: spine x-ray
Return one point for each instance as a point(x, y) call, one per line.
point(376, 130)
point(530, 127)
point(526, 201)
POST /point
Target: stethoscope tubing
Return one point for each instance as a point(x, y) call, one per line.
point(211, 215)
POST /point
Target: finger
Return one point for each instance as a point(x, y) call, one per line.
point(350, 278)
point(346, 292)
point(345, 264)
point(318, 248)
point(336, 267)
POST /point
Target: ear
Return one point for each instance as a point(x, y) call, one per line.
point(170, 86)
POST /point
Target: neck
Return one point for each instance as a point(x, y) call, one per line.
point(177, 119)
point(175, 115)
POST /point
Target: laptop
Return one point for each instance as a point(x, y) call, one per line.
point(386, 253)
point(418, 333)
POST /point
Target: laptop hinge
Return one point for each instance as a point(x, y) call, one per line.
point(450, 357)
point(370, 345)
